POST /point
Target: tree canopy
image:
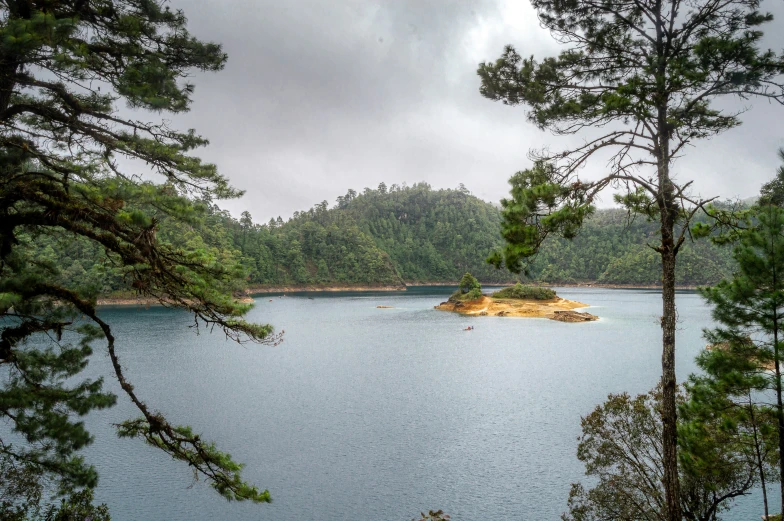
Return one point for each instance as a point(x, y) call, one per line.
point(640, 80)
point(78, 168)
point(620, 446)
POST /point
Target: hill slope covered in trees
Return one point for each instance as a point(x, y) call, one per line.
point(417, 234)
point(401, 235)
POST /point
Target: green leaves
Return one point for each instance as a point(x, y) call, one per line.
point(772, 192)
point(650, 74)
point(518, 291)
point(741, 384)
point(620, 66)
point(620, 446)
point(63, 195)
point(468, 283)
point(539, 206)
point(182, 444)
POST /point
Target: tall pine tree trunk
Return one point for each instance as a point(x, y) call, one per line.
point(669, 413)
point(668, 249)
point(777, 361)
point(779, 407)
point(758, 454)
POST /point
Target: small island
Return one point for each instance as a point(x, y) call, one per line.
point(514, 301)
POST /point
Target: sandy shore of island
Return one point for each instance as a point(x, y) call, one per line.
point(556, 309)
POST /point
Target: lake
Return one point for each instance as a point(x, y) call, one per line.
point(365, 413)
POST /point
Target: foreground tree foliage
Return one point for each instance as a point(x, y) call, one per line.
point(22, 491)
point(621, 447)
point(743, 371)
point(70, 165)
point(772, 192)
point(639, 78)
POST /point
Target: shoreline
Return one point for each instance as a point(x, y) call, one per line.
point(263, 290)
point(614, 286)
point(558, 285)
point(557, 308)
point(127, 301)
point(260, 290)
point(145, 301)
point(456, 283)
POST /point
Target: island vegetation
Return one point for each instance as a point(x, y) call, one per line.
point(514, 301)
point(518, 291)
point(467, 289)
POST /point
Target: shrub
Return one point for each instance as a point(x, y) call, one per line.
point(474, 294)
point(459, 296)
point(468, 289)
point(468, 283)
point(519, 291)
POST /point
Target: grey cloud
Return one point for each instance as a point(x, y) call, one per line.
point(319, 97)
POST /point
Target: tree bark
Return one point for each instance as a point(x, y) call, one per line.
point(8, 70)
point(779, 408)
point(668, 249)
point(668, 213)
point(758, 454)
point(777, 365)
point(669, 412)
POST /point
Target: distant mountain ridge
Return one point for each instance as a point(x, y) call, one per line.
point(383, 236)
point(395, 236)
point(414, 234)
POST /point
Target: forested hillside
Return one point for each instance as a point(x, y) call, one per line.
point(423, 235)
point(611, 249)
point(382, 236)
point(398, 235)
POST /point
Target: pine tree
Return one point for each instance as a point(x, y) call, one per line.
point(468, 283)
point(246, 224)
point(772, 192)
point(640, 77)
point(746, 362)
point(64, 68)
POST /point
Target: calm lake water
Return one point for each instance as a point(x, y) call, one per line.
point(365, 413)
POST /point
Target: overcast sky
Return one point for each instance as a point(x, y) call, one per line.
point(319, 97)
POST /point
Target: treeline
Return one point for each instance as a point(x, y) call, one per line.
point(383, 236)
point(392, 236)
point(613, 248)
point(416, 234)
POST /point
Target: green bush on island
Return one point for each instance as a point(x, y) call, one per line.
point(519, 291)
point(467, 289)
point(468, 283)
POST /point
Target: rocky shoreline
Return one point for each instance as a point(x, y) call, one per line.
point(558, 308)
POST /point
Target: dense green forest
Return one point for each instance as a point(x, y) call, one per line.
point(398, 235)
point(417, 234)
point(383, 236)
point(612, 249)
